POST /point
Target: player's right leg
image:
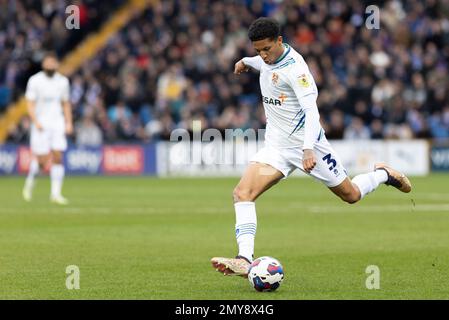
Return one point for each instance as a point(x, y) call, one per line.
point(37, 163)
point(352, 191)
point(258, 178)
point(330, 171)
point(40, 148)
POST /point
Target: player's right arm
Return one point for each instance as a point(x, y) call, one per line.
point(244, 64)
point(31, 106)
point(30, 96)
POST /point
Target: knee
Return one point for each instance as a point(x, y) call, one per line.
point(243, 194)
point(57, 158)
point(42, 163)
point(351, 198)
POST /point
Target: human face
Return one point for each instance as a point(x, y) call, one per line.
point(269, 50)
point(50, 65)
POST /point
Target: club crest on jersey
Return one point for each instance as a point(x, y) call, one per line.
point(274, 78)
point(303, 81)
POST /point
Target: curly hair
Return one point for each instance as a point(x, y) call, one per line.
point(263, 28)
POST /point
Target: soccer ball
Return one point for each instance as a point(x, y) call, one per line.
point(265, 274)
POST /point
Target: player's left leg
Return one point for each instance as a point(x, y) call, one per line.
point(266, 169)
point(258, 178)
point(58, 143)
point(57, 178)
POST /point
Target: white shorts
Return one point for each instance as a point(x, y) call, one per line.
point(46, 140)
point(328, 169)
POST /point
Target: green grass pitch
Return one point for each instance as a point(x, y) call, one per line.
point(147, 238)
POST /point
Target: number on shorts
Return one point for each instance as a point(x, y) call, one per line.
point(329, 160)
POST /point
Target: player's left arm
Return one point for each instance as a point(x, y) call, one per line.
point(305, 90)
point(312, 128)
point(67, 109)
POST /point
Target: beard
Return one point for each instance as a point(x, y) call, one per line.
point(50, 72)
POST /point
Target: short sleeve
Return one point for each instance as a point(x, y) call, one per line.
point(301, 81)
point(65, 90)
point(31, 90)
point(253, 62)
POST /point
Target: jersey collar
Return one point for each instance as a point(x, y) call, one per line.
point(284, 54)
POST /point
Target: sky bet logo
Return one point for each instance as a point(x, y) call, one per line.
point(272, 101)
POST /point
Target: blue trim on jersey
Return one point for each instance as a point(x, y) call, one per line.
point(298, 113)
point(300, 124)
point(321, 132)
point(287, 63)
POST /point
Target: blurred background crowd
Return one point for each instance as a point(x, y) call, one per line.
point(173, 64)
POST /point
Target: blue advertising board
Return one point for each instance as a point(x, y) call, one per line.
point(439, 157)
point(83, 161)
point(8, 159)
point(110, 160)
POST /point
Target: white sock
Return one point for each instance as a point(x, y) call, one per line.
point(245, 228)
point(32, 172)
point(57, 176)
point(368, 182)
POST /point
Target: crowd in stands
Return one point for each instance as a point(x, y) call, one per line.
point(174, 63)
point(29, 28)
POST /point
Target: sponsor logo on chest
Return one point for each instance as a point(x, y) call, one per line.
point(273, 101)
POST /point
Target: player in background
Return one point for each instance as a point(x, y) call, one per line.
point(294, 139)
point(47, 96)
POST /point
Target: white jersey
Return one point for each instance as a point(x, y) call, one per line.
point(48, 93)
point(283, 84)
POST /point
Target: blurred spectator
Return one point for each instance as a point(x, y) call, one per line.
point(173, 64)
point(87, 132)
point(397, 131)
point(356, 130)
point(28, 28)
point(377, 129)
point(20, 133)
point(336, 126)
point(119, 112)
point(170, 89)
point(438, 126)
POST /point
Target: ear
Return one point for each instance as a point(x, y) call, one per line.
point(279, 40)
